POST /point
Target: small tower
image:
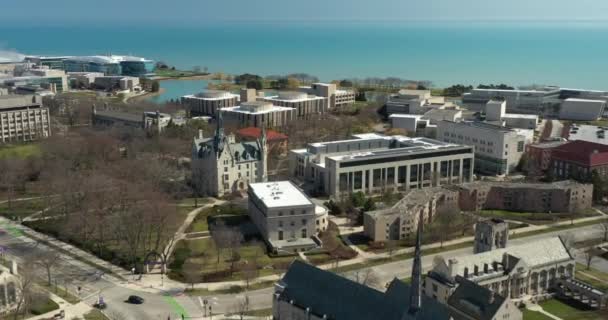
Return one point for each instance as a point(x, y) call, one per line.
point(491, 234)
point(263, 167)
point(416, 285)
point(218, 139)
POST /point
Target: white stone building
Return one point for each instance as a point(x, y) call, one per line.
point(306, 105)
point(373, 163)
point(207, 103)
point(220, 165)
point(498, 149)
point(582, 109)
point(9, 292)
point(23, 118)
point(258, 114)
point(515, 272)
point(336, 97)
point(285, 216)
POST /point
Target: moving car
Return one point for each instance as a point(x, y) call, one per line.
point(135, 300)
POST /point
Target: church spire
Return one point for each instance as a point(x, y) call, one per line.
point(218, 139)
point(416, 285)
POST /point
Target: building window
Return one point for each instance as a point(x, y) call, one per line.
point(343, 181)
point(303, 211)
point(225, 169)
point(280, 235)
point(390, 176)
point(358, 180)
point(520, 146)
point(304, 222)
point(401, 174)
point(377, 177)
point(304, 233)
point(280, 223)
point(280, 213)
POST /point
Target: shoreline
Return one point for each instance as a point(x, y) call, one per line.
point(145, 96)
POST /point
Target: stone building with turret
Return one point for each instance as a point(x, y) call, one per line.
point(220, 165)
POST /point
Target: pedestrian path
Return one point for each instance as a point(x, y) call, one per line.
point(538, 308)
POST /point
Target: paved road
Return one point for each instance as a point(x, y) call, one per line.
point(73, 274)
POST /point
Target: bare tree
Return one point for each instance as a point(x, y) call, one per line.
point(191, 272)
point(250, 271)
point(367, 277)
point(24, 287)
point(241, 307)
point(48, 260)
point(12, 178)
point(589, 254)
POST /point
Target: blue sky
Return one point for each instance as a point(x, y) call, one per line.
point(202, 11)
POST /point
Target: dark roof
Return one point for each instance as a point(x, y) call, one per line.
point(256, 133)
point(326, 293)
point(117, 115)
point(475, 301)
point(582, 152)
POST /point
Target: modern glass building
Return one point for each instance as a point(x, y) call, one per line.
point(111, 65)
point(138, 68)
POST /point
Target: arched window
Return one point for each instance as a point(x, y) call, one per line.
point(12, 293)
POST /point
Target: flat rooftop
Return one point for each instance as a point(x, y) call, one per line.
point(251, 109)
point(481, 125)
point(588, 133)
point(520, 116)
point(278, 194)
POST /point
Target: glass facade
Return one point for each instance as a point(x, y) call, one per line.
point(109, 69)
point(138, 68)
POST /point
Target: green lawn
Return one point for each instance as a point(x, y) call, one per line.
point(571, 310)
point(42, 306)
point(20, 150)
point(556, 228)
point(95, 315)
point(585, 275)
point(205, 217)
point(534, 315)
point(21, 209)
point(177, 73)
point(533, 217)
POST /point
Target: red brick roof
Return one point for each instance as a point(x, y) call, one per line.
point(582, 152)
point(256, 133)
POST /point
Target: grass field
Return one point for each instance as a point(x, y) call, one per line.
point(589, 276)
point(534, 315)
point(95, 315)
point(533, 217)
point(572, 310)
point(22, 208)
point(202, 220)
point(20, 151)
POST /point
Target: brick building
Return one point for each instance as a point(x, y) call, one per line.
point(562, 196)
point(578, 159)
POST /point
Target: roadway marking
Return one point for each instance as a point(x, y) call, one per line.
point(177, 308)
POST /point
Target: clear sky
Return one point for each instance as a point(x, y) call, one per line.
point(201, 11)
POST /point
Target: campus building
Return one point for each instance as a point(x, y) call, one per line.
point(9, 292)
point(23, 118)
point(306, 292)
point(336, 97)
point(579, 159)
point(515, 272)
point(490, 234)
point(220, 165)
point(374, 163)
point(258, 114)
point(401, 220)
point(498, 149)
point(305, 105)
point(154, 121)
point(496, 112)
point(285, 217)
point(582, 109)
point(110, 65)
point(539, 155)
point(524, 101)
point(277, 142)
point(207, 103)
point(562, 196)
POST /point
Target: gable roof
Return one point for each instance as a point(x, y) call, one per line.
point(475, 301)
point(582, 152)
point(326, 293)
point(256, 133)
point(535, 253)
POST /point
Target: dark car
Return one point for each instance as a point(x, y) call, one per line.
point(100, 305)
point(135, 300)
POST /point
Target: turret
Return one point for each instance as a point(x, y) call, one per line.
point(263, 167)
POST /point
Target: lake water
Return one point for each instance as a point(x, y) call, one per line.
point(560, 53)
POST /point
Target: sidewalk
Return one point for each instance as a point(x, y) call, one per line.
point(155, 283)
point(71, 310)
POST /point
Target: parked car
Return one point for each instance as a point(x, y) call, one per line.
point(135, 300)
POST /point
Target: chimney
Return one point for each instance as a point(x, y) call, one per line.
point(452, 264)
point(13, 268)
point(200, 133)
point(466, 272)
point(476, 270)
point(495, 265)
point(491, 300)
point(485, 268)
